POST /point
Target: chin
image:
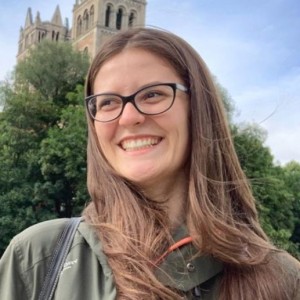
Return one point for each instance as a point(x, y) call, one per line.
point(141, 179)
point(139, 172)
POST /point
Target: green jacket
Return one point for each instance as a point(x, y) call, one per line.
point(86, 274)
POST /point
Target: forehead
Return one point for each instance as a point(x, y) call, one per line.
point(134, 67)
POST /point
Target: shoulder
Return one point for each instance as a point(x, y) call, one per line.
point(41, 230)
point(287, 272)
point(287, 263)
point(24, 263)
point(37, 242)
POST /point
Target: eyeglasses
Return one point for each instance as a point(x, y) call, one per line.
point(151, 100)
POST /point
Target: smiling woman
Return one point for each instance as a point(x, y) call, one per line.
point(171, 214)
point(147, 145)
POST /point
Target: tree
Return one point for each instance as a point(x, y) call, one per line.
point(274, 197)
point(53, 69)
point(63, 159)
point(35, 104)
point(291, 177)
point(276, 189)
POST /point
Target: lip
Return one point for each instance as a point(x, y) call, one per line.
point(138, 143)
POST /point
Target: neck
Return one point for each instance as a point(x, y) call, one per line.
point(172, 194)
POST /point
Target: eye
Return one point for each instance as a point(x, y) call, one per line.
point(152, 95)
point(106, 103)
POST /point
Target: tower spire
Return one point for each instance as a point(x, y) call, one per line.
point(56, 19)
point(38, 18)
point(28, 21)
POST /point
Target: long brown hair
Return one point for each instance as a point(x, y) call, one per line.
point(220, 211)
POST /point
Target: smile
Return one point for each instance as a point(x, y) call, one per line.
point(138, 144)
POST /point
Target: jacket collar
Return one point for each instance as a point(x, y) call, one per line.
point(94, 243)
point(184, 268)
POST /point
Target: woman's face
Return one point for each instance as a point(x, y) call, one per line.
point(148, 150)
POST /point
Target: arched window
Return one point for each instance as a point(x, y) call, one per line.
point(53, 35)
point(86, 20)
point(92, 15)
point(79, 26)
point(57, 36)
point(131, 19)
point(119, 18)
point(107, 15)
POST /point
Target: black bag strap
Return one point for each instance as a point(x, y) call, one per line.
point(60, 253)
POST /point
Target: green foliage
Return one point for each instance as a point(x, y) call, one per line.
point(53, 69)
point(63, 158)
point(275, 200)
point(276, 188)
point(42, 141)
point(5, 91)
point(291, 176)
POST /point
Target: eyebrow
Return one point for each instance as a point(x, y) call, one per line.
point(139, 88)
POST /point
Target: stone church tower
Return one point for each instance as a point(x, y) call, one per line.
point(93, 21)
point(34, 32)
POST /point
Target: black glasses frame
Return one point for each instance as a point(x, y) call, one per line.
point(131, 99)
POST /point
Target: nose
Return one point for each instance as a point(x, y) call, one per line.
point(131, 116)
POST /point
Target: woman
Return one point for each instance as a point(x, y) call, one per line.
point(160, 172)
point(172, 215)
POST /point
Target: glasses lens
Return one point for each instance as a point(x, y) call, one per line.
point(151, 100)
point(155, 99)
point(105, 107)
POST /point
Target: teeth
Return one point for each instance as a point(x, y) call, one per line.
point(130, 145)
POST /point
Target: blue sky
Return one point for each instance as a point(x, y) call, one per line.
point(252, 47)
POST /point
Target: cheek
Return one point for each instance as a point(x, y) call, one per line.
point(105, 134)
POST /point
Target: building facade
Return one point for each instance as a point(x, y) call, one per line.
point(92, 22)
point(35, 31)
point(95, 20)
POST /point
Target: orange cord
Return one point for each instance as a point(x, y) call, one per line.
point(177, 245)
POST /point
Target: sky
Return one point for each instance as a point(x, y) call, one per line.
point(252, 47)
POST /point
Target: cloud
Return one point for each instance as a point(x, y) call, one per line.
point(263, 103)
point(284, 144)
point(276, 108)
